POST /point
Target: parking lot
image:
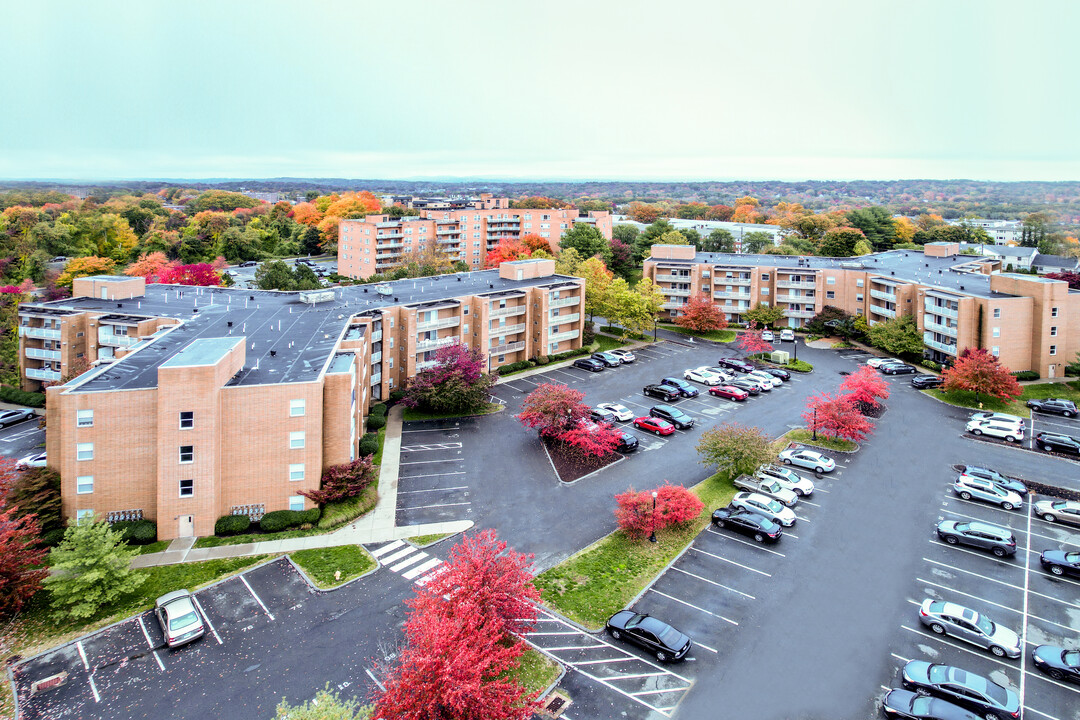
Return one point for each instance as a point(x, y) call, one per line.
point(22, 439)
point(433, 477)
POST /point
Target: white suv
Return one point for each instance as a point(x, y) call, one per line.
point(765, 377)
point(1012, 432)
point(787, 478)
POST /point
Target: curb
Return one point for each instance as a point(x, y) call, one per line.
point(316, 588)
point(594, 472)
point(810, 443)
point(1023, 448)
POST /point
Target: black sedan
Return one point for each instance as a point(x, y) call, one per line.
point(664, 392)
point(759, 527)
point(656, 636)
point(969, 690)
point(685, 388)
point(10, 417)
point(736, 364)
point(897, 369)
point(777, 372)
point(899, 703)
point(627, 443)
point(927, 381)
point(673, 415)
point(1059, 562)
point(589, 364)
point(1057, 662)
point(1058, 443)
point(750, 387)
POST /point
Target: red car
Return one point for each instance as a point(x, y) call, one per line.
point(654, 425)
point(729, 392)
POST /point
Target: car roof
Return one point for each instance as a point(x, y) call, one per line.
point(988, 528)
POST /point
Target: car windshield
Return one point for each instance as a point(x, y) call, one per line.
point(920, 706)
point(1071, 658)
point(773, 505)
point(1072, 557)
point(985, 625)
point(939, 673)
point(634, 621)
point(182, 621)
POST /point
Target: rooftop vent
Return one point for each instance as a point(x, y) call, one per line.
point(961, 287)
point(119, 304)
point(251, 297)
point(892, 272)
point(230, 323)
point(194, 310)
point(273, 353)
point(365, 289)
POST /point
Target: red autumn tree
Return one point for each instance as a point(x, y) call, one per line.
point(457, 383)
point(553, 409)
point(1073, 278)
point(535, 242)
point(836, 416)
point(21, 573)
point(149, 266)
point(201, 274)
point(344, 481)
point(674, 504)
point(591, 440)
point(751, 341)
point(982, 373)
point(865, 388)
point(507, 250)
point(701, 314)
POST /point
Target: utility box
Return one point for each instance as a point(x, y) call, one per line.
point(780, 357)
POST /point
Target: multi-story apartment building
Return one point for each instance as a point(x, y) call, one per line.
point(958, 301)
point(204, 402)
point(377, 243)
point(738, 230)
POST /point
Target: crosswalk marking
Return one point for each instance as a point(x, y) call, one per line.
point(409, 561)
point(402, 558)
point(388, 548)
point(398, 555)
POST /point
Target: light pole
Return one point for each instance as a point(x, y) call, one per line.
point(652, 535)
point(815, 424)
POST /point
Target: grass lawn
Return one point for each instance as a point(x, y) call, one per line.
point(417, 414)
point(376, 460)
point(601, 579)
point(620, 332)
point(805, 436)
point(320, 564)
point(153, 547)
point(535, 670)
point(215, 541)
point(337, 514)
point(966, 398)
point(603, 343)
point(724, 336)
point(425, 540)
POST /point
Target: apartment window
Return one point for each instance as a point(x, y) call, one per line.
point(296, 408)
point(995, 351)
point(997, 313)
point(858, 297)
point(1053, 312)
point(858, 311)
point(830, 281)
point(187, 454)
point(830, 294)
point(1053, 349)
point(296, 502)
point(187, 487)
point(84, 451)
point(85, 418)
point(997, 332)
point(296, 440)
point(187, 420)
point(765, 277)
point(764, 291)
point(1053, 331)
point(465, 311)
point(81, 515)
point(84, 484)
point(858, 283)
point(296, 471)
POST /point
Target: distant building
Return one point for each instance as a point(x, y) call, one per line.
point(1001, 232)
point(704, 227)
point(1019, 258)
point(1043, 264)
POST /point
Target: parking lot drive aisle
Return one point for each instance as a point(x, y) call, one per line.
point(432, 475)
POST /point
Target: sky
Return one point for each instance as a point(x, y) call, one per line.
point(582, 90)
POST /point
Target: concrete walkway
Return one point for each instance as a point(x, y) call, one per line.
point(375, 527)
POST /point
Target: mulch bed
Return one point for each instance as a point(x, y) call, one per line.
point(871, 411)
point(572, 467)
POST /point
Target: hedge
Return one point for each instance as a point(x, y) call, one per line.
point(374, 422)
point(515, 366)
point(379, 409)
point(279, 520)
point(1026, 375)
point(21, 397)
point(136, 532)
point(369, 444)
point(232, 525)
point(930, 365)
point(568, 354)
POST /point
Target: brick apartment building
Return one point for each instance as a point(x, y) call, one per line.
point(377, 243)
point(958, 301)
point(206, 402)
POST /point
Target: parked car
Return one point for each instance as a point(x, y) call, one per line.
point(946, 618)
point(767, 486)
point(898, 369)
point(994, 428)
point(249, 263)
point(601, 415)
point(730, 392)
point(762, 385)
point(788, 478)
point(767, 506)
point(787, 335)
point(778, 373)
point(685, 388)
point(1057, 406)
point(876, 362)
point(1058, 442)
point(767, 335)
point(735, 364)
point(703, 376)
point(995, 477)
point(999, 417)
point(621, 412)
point(654, 425)
point(625, 356)
point(966, 689)
point(607, 359)
point(968, 487)
point(655, 636)
point(589, 364)
point(179, 617)
point(1057, 662)
point(744, 522)
point(997, 540)
point(765, 377)
point(627, 443)
point(927, 381)
point(1066, 511)
point(35, 460)
point(1060, 562)
point(664, 392)
point(673, 415)
point(10, 417)
point(810, 459)
point(726, 373)
point(748, 385)
point(900, 703)
point(61, 258)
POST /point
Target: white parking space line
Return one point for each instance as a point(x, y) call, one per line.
point(720, 557)
point(641, 675)
point(572, 647)
point(1053, 681)
point(207, 620)
point(1024, 627)
point(432, 446)
point(388, 548)
point(600, 662)
point(82, 654)
point(986, 654)
point(706, 647)
point(561, 632)
point(1002, 582)
point(409, 561)
point(790, 534)
point(656, 692)
point(160, 664)
point(440, 430)
point(971, 517)
point(985, 556)
point(1037, 712)
point(410, 492)
point(425, 507)
point(430, 462)
point(421, 569)
point(954, 591)
point(569, 375)
point(901, 658)
point(987, 506)
point(713, 582)
point(146, 635)
point(93, 689)
point(257, 598)
point(707, 612)
point(743, 542)
point(807, 502)
point(800, 518)
point(413, 477)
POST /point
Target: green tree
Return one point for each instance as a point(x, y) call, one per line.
point(673, 237)
point(588, 241)
point(840, 242)
point(568, 262)
point(597, 281)
point(275, 275)
point(719, 240)
point(91, 568)
point(628, 234)
point(732, 449)
point(326, 705)
point(764, 315)
point(305, 278)
point(899, 336)
point(862, 248)
point(755, 242)
point(1034, 229)
point(649, 237)
point(876, 224)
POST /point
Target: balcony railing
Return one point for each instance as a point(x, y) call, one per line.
point(789, 298)
point(732, 295)
point(376, 336)
point(439, 324)
point(567, 318)
point(803, 284)
point(509, 310)
point(498, 330)
point(39, 332)
point(672, 305)
point(568, 335)
point(42, 374)
point(426, 365)
point(425, 345)
point(42, 354)
point(939, 309)
point(108, 338)
point(565, 302)
point(675, 292)
point(884, 311)
point(376, 378)
point(376, 357)
point(929, 341)
point(507, 348)
point(882, 295)
point(932, 326)
point(799, 313)
point(720, 280)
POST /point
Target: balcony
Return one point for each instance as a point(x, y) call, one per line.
point(510, 310)
point(508, 348)
point(376, 336)
point(804, 285)
point(376, 378)
point(499, 330)
point(560, 319)
point(425, 345)
point(939, 309)
point(882, 295)
point(568, 335)
point(675, 292)
point(107, 338)
point(426, 365)
point(43, 374)
point(383, 246)
point(883, 311)
point(731, 281)
point(447, 232)
point(799, 313)
point(376, 357)
point(930, 342)
point(438, 324)
point(565, 302)
point(932, 326)
point(39, 332)
point(789, 298)
point(732, 295)
point(41, 354)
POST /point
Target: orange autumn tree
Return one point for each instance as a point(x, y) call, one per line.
point(85, 267)
point(507, 250)
point(535, 242)
point(149, 266)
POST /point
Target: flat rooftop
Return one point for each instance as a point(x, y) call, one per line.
point(286, 339)
point(202, 352)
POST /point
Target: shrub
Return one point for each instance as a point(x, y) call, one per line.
point(566, 355)
point(1072, 370)
point(588, 336)
point(53, 537)
point(279, 520)
point(136, 532)
point(1026, 375)
point(674, 504)
point(340, 482)
point(542, 360)
point(799, 366)
point(369, 444)
point(396, 396)
point(21, 397)
point(374, 422)
point(378, 409)
point(310, 517)
point(232, 525)
point(515, 366)
point(930, 365)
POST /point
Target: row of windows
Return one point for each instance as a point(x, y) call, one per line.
point(85, 451)
point(85, 418)
point(84, 484)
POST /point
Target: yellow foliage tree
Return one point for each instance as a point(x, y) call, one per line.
point(85, 267)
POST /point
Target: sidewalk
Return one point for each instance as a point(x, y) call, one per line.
point(375, 527)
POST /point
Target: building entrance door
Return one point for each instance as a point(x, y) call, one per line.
point(1053, 370)
point(187, 526)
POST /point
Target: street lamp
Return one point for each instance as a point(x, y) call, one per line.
point(815, 424)
point(652, 535)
